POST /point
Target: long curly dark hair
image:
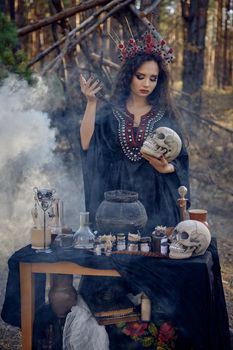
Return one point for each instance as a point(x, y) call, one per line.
point(159, 97)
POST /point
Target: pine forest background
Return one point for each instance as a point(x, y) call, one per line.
point(59, 39)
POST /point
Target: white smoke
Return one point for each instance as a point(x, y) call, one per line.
point(27, 160)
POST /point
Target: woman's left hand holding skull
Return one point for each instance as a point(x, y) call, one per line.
point(161, 165)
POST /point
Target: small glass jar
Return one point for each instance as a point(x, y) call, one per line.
point(133, 246)
point(121, 242)
point(133, 242)
point(145, 244)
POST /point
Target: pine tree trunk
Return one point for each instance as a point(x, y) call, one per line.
point(11, 4)
point(218, 51)
point(3, 7)
point(194, 15)
point(227, 78)
point(21, 20)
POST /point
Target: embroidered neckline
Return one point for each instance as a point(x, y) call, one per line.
point(130, 143)
point(150, 113)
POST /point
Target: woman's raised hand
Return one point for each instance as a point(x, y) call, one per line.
point(90, 87)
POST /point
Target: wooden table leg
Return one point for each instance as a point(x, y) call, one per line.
point(27, 304)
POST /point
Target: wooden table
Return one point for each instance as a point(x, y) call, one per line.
point(179, 288)
point(27, 295)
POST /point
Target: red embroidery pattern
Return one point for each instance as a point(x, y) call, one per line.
point(131, 143)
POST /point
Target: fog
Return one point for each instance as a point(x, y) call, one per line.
point(27, 160)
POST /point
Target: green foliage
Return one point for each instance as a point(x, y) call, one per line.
point(148, 341)
point(153, 329)
point(12, 59)
point(8, 36)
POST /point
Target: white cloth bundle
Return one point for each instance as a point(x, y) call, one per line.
point(81, 330)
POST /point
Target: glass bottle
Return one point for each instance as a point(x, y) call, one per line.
point(83, 237)
point(132, 245)
point(145, 244)
point(121, 242)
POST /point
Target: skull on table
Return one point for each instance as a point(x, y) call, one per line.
point(189, 238)
point(162, 142)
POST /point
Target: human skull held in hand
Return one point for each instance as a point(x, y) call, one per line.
point(162, 142)
point(189, 238)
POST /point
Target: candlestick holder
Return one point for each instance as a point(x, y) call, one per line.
point(44, 197)
point(182, 202)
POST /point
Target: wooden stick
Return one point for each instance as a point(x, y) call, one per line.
point(151, 7)
point(52, 65)
point(102, 20)
point(64, 14)
point(72, 33)
point(141, 15)
point(106, 62)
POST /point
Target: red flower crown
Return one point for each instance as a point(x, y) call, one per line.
point(149, 43)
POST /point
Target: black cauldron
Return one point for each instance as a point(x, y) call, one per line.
point(121, 211)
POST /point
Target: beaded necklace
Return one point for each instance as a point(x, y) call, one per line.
point(130, 141)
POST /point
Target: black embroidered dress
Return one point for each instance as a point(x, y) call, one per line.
point(113, 161)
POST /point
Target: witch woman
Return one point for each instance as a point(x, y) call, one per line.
point(111, 138)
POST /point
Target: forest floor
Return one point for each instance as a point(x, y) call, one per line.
point(218, 105)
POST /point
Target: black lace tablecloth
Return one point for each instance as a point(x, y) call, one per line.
point(187, 292)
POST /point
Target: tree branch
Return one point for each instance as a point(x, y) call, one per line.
point(52, 65)
point(102, 20)
point(142, 16)
point(64, 14)
point(106, 62)
point(150, 8)
point(73, 32)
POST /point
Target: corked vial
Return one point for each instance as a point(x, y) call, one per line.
point(121, 242)
point(133, 242)
point(145, 244)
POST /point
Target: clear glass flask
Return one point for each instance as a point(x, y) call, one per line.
point(83, 237)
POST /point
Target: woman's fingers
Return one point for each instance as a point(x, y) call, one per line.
point(89, 87)
point(97, 89)
point(93, 86)
point(161, 164)
point(160, 160)
point(93, 89)
point(89, 81)
point(82, 81)
point(150, 158)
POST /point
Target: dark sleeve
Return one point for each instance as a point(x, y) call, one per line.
point(96, 160)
